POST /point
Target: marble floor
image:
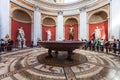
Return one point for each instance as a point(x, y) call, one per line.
point(24, 65)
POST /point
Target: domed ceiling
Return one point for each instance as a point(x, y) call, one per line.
point(62, 1)
point(61, 5)
point(70, 1)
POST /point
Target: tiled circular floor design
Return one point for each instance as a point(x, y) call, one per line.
point(60, 60)
point(24, 64)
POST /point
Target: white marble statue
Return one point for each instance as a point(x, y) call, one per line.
point(21, 38)
point(48, 35)
point(97, 33)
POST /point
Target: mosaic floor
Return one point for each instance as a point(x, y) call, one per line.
point(24, 65)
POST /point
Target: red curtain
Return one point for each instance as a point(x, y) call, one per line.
point(14, 31)
point(44, 33)
point(75, 26)
point(103, 26)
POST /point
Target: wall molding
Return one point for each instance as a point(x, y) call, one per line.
point(98, 6)
point(21, 20)
point(22, 5)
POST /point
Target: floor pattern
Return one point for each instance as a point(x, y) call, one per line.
point(24, 65)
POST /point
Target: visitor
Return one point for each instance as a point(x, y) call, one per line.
point(10, 45)
point(97, 44)
point(102, 45)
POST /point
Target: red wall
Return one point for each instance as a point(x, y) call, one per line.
point(26, 28)
point(44, 33)
point(104, 30)
point(75, 32)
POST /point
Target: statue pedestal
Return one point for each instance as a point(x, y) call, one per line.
point(19, 44)
point(22, 43)
point(24, 46)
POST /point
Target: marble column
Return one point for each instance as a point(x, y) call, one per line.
point(60, 26)
point(115, 18)
point(4, 18)
point(37, 29)
point(83, 24)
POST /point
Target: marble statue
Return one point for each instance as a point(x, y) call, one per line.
point(71, 33)
point(49, 34)
point(21, 38)
point(97, 33)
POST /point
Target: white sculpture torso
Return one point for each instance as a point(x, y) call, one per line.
point(21, 33)
point(97, 33)
point(48, 35)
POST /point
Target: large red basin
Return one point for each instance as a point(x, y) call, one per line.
point(68, 46)
point(61, 45)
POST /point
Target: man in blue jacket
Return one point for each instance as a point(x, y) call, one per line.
point(119, 45)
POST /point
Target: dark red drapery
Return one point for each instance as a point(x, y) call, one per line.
point(75, 26)
point(14, 31)
point(44, 33)
point(103, 26)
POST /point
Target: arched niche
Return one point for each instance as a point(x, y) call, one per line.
point(71, 22)
point(48, 24)
point(100, 20)
point(48, 21)
point(98, 17)
point(20, 18)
